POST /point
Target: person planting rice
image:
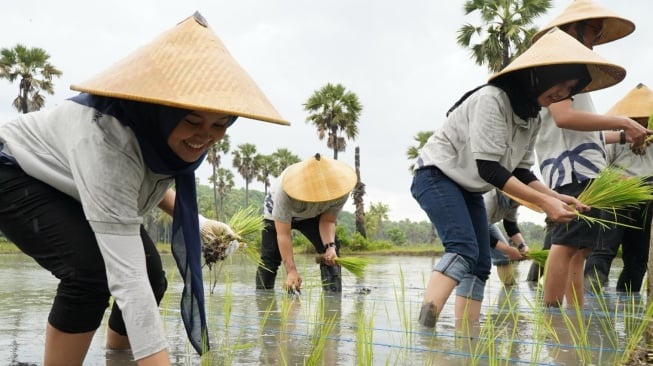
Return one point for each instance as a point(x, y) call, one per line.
point(307, 196)
point(486, 142)
point(634, 241)
point(499, 207)
point(75, 182)
point(571, 153)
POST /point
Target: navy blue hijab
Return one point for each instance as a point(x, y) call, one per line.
point(152, 124)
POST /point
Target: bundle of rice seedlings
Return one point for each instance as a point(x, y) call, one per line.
point(611, 191)
point(352, 264)
point(538, 256)
point(221, 244)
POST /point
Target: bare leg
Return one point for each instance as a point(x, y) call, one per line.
point(506, 274)
point(437, 292)
point(116, 341)
point(65, 349)
point(556, 274)
point(574, 293)
point(467, 309)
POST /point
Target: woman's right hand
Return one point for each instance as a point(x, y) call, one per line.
point(558, 211)
point(636, 133)
point(293, 281)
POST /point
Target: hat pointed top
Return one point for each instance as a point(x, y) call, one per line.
point(318, 179)
point(187, 67)
point(638, 103)
point(614, 26)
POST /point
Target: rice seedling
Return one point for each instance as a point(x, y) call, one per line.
point(606, 322)
point(542, 325)
point(352, 264)
point(219, 245)
point(538, 256)
point(636, 324)
point(611, 191)
point(404, 313)
point(578, 331)
point(323, 326)
point(365, 338)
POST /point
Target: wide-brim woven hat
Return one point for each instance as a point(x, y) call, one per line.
point(614, 26)
point(559, 48)
point(318, 179)
point(186, 67)
point(638, 103)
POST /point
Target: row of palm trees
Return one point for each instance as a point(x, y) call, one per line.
point(505, 32)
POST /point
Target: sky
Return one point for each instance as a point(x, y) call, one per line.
point(400, 58)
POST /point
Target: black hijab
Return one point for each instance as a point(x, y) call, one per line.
point(152, 124)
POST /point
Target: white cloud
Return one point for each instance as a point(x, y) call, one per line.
point(401, 58)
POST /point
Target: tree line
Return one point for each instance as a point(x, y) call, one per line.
point(504, 33)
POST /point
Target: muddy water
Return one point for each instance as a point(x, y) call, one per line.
point(380, 310)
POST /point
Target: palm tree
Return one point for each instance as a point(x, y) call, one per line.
point(376, 214)
point(413, 151)
point(225, 182)
point(284, 159)
point(357, 195)
point(506, 25)
point(214, 158)
point(31, 67)
point(165, 221)
point(245, 163)
point(267, 166)
point(334, 111)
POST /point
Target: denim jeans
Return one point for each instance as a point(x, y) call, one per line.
point(461, 222)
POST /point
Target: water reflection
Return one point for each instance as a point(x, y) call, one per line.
point(373, 322)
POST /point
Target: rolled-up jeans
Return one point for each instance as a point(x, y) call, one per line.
point(461, 222)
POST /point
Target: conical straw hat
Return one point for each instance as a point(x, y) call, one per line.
point(614, 26)
point(638, 103)
point(318, 179)
point(557, 47)
point(186, 67)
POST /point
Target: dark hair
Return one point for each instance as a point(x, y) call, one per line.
point(525, 86)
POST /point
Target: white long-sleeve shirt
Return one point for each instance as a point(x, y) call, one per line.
point(97, 160)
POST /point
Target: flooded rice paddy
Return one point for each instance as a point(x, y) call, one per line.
point(373, 322)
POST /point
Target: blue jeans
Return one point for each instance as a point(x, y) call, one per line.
point(461, 222)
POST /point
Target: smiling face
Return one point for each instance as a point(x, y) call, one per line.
point(556, 93)
point(195, 134)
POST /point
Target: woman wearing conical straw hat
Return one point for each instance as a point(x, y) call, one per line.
point(75, 182)
point(571, 152)
point(307, 196)
point(634, 242)
point(485, 142)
